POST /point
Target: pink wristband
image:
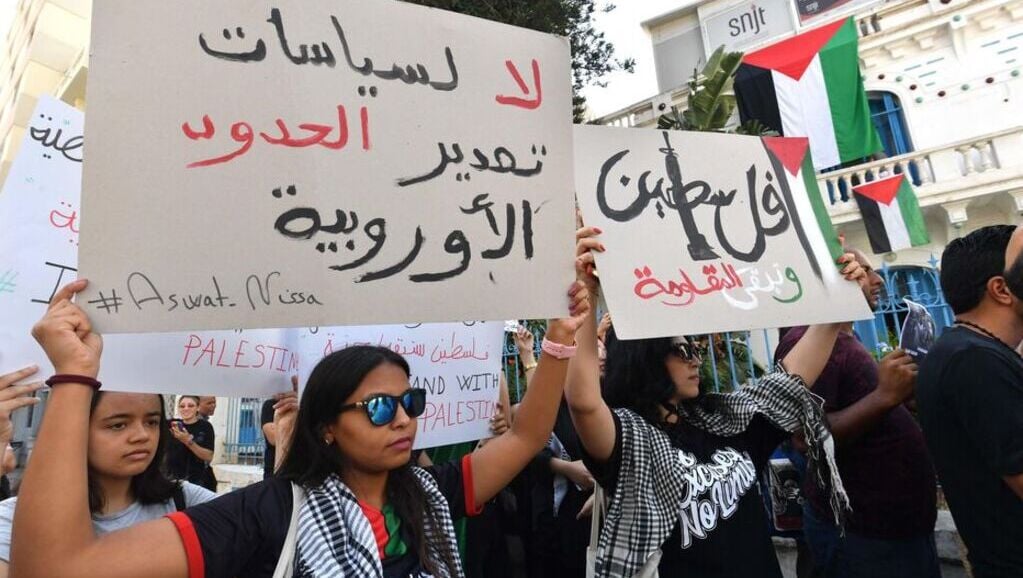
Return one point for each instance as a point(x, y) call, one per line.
point(557, 350)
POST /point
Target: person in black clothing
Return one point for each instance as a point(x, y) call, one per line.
point(680, 467)
point(560, 486)
point(266, 422)
point(970, 397)
point(190, 454)
point(357, 505)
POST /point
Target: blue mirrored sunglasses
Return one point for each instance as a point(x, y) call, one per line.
point(382, 408)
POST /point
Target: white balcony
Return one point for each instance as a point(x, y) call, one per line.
point(949, 175)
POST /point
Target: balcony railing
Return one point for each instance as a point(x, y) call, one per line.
point(954, 172)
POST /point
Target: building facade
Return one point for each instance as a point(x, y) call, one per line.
point(945, 83)
point(45, 52)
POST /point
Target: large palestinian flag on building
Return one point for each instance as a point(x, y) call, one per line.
point(810, 85)
point(891, 214)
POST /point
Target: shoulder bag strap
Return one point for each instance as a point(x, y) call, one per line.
point(286, 563)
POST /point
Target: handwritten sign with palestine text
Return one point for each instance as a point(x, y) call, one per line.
point(322, 162)
point(708, 232)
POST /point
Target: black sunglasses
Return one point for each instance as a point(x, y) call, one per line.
point(381, 408)
point(688, 350)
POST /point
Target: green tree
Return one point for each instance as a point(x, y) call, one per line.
point(711, 99)
point(593, 57)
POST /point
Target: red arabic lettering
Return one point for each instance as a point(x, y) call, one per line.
point(684, 290)
point(314, 134)
point(526, 103)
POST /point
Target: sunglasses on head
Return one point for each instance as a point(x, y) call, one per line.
point(687, 350)
point(381, 408)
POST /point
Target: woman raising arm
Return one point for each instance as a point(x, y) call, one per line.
point(353, 450)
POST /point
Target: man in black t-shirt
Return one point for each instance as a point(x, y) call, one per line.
point(970, 395)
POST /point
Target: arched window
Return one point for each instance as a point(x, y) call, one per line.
point(886, 112)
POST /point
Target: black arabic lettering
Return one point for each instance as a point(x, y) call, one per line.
point(504, 163)
point(50, 138)
point(408, 74)
point(760, 232)
point(455, 243)
point(321, 53)
point(376, 230)
point(257, 54)
point(283, 223)
point(400, 266)
point(446, 159)
point(698, 247)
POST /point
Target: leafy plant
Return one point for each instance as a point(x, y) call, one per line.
point(711, 100)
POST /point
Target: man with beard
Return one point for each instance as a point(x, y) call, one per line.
point(971, 397)
point(882, 457)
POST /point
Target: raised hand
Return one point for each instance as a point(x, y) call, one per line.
point(66, 336)
point(13, 397)
point(585, 266)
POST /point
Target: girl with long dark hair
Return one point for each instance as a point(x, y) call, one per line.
point(347, 502)
point(126, 442)
point(681, 467)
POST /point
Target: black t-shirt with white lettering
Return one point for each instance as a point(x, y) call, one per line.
point(723, 528)
point(970, 398)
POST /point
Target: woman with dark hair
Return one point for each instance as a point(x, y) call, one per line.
point(126, 486)
point(680, 468)
point(347, 501)
point(191, 451)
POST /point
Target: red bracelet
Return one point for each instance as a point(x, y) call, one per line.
point(71, 378)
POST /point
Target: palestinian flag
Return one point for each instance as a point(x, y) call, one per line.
point(891, 214)
point(809, 85)
point(792, 155)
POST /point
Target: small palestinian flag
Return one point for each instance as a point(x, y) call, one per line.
point(793, 154)
point(810, 85)
point(891, 214)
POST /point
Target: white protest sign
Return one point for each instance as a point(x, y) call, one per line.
point(39, 223)
point(319, 163)
point(709, 232)
point(38, 227)
point(458, 364)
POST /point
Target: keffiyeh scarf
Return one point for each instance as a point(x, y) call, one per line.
point(651, 477)
point(336, 540)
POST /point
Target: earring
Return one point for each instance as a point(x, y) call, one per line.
point(327, 440)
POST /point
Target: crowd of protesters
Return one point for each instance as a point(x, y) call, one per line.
point(615, 463)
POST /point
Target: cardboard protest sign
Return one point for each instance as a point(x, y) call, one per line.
point(709, 232)
point(39, 225)
point(918, 331)
point(458, 364)
point(315, 162)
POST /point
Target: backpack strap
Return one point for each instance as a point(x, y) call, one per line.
point(179, 497)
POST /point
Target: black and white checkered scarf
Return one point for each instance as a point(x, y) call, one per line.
point(651, 477)
point(336, 540)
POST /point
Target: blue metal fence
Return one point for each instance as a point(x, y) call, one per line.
point(244, 443)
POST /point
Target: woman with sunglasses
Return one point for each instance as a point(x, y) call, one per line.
point(346, 502)
point(680, 468)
